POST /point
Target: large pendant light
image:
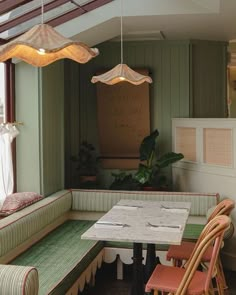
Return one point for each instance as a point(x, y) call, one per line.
point(121, 72)
point(42, 45)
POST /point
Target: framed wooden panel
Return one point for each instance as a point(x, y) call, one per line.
point(123, 121)
point(218, 146)
point(186, 143)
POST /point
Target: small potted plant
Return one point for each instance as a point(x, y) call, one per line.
point(124, 181)
point(87, 165)
point(149, 170)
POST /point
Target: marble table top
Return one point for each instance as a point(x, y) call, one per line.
point(155, 222)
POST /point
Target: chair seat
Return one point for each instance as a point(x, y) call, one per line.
point(168, 278)
point(184, 251)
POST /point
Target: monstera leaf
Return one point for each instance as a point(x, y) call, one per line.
point(168, 159)
point(143, 175)
point(147, 146)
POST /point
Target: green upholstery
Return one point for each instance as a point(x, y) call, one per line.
point(61, 256)
point(104, 200)
point(191, 232)
point(128, 245)
point(20, 226)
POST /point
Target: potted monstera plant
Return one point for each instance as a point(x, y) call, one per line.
point(87, 165)
point(149, 173)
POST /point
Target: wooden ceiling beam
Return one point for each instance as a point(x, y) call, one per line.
point(77, 12)
point(29, 15)
point(8, 5)
point(55, 21)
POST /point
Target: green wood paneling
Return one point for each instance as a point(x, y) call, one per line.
point(40, 145)
point(52, 122)
point(168, 63)
point(28, 148)
point(208, 79)
point(72, 121)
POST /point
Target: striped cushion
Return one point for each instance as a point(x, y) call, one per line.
point(104, 200)
point(18, 280)
point(191, 232)
point(18, 227)
point(129, 245)
point(61, 256)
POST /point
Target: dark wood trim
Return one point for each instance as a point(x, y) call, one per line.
point(57, 20)
point(8, 5)
point(29, 15)
point(77, 12)
point(10, 91)
point(10, 106)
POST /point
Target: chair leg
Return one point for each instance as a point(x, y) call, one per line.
point(177, 262)
point(211, 290)
point(221, 274)
point(219, 280)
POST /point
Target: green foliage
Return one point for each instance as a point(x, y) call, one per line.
point(124, 181)
point(149, 169)
point(87, 159)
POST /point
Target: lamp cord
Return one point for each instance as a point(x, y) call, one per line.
point(42, 12)
point(121, 31)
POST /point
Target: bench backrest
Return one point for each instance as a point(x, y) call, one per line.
point(104, 200)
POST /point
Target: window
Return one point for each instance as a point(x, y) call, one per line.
point(2, 92)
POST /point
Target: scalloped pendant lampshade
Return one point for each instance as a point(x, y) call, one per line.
point(122, 72)
point(42, 45)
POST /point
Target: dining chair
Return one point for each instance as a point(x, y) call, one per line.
point(189, 280)
point(179, 254)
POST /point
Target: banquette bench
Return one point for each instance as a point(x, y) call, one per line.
point(41, 251)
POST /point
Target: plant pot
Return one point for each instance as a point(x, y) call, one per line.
point(88, 178)
point(88, 182)
point(149, 188)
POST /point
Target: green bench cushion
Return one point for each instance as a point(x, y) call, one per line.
point(191, 232)
point(61, 256)
point(129, 245)
point(22, 225)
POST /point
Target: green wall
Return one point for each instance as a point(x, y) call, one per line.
point(58, 103)
point(28, 148)
point(52, 122)
point(208, 69)
point(168, 63)
point(40, 145)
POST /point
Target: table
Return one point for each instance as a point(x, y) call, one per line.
point(151, 222)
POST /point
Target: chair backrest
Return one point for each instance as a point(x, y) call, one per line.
point(224, 207)
point(212, 234)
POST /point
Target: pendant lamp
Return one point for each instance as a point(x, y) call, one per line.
point(121, 72)
point(42, 45)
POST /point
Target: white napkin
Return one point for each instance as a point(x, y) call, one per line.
point(175, 210)
point(126, 207)
point(165, 227)
point(108, 224)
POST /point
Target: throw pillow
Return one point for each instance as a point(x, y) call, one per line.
point(18, 201)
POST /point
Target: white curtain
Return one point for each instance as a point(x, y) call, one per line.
point(7, 134)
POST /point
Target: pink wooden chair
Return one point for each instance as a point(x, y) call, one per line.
point(180, 254)
point(189, 280)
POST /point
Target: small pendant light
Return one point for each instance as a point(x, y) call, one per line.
point(121, 72)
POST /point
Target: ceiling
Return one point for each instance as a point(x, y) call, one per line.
point(16, 17)
point(96, 21)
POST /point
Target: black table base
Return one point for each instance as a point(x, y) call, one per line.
point(142, 274)
point(137, 283)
